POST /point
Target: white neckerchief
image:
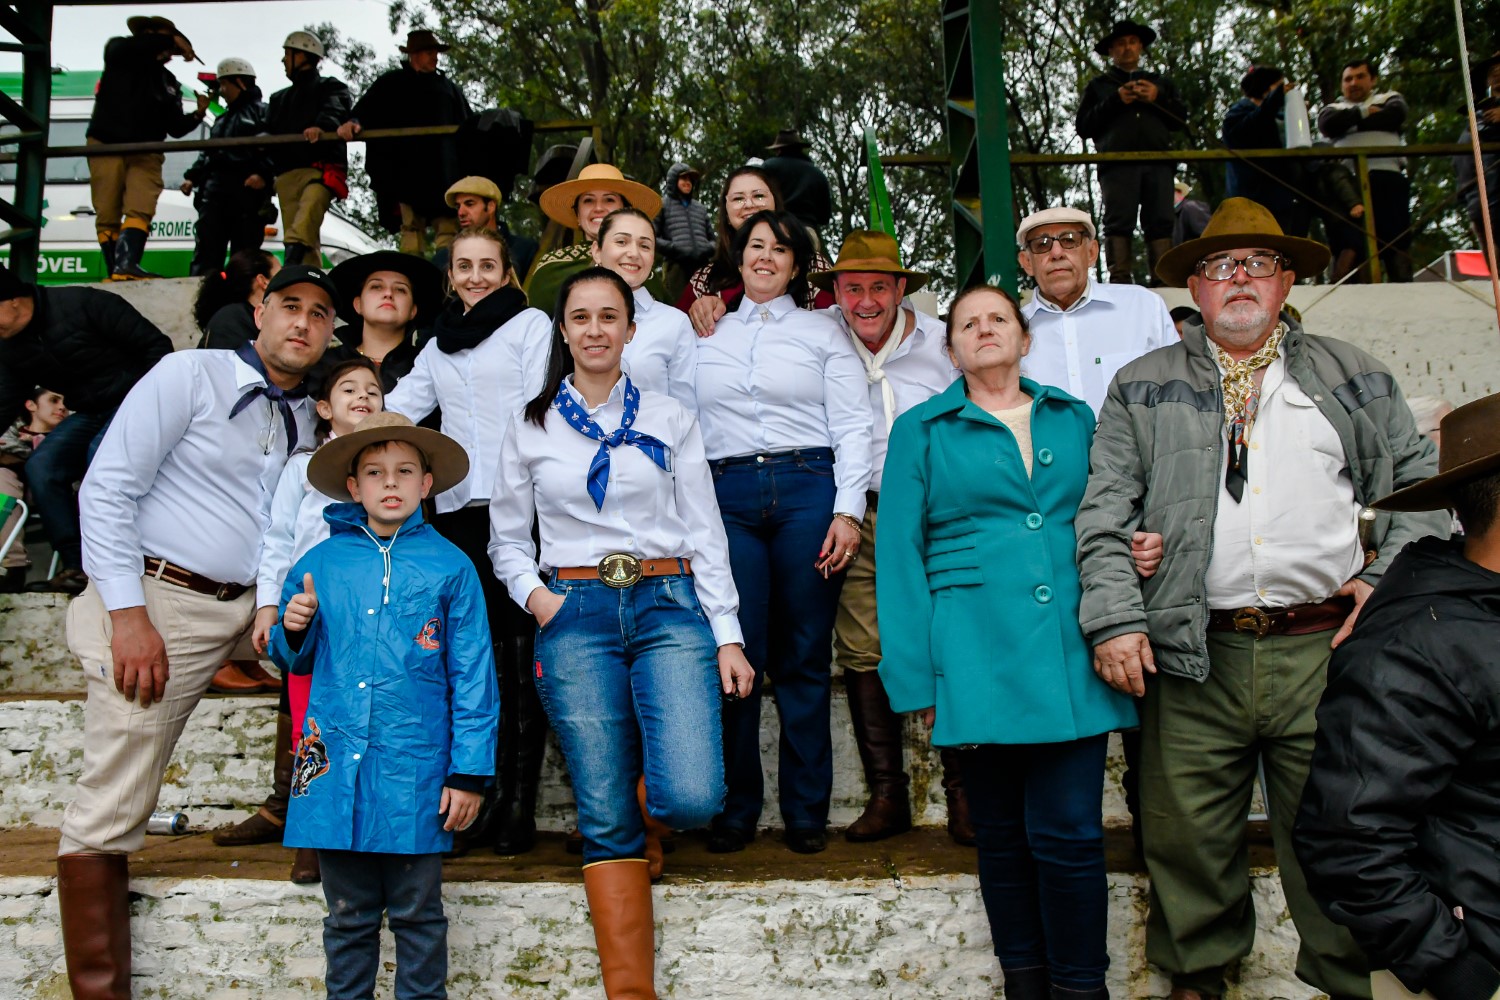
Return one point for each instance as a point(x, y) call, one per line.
point(875, 363)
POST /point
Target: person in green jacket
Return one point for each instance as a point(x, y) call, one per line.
point(978, 597)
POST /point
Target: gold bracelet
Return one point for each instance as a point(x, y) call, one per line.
point(850, 520)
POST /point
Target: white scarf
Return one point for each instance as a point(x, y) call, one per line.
point(875, 363)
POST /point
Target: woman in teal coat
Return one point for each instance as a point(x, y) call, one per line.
point(978, 597)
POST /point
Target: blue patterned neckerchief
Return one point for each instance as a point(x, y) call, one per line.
point(578, 418)
point(280, 398)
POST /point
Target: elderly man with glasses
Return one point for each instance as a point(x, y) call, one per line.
point(1253, 448)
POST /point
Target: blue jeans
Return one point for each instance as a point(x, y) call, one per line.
point(630, 681)
point(1037, 811)
point(408, 888)
point(59, 462)
point(776, 513)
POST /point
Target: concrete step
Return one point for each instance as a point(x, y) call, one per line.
point(900, 919)
point(34, 655)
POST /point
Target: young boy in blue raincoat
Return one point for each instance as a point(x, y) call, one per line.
point(399, 737)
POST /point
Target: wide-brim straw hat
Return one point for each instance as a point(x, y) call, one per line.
point(1122, 28)
point(1470, 449)
point(869, 251)
point(426, 282)
point(333, 463)
point(557, 201)
point(1238, 223)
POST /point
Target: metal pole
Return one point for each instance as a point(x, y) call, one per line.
point(1372, 245)
point(1484, 194)
point(31, 156)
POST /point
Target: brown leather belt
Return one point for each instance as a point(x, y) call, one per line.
point(164, 571)
point(1299, 619)
point(620, 569)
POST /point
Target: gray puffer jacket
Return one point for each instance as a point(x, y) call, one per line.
point(1156, 465)
point(683, 232)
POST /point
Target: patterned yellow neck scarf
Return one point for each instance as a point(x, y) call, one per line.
point(1241, 401)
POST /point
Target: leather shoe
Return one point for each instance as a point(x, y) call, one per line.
point(257, 828)
point(231, 679)
point(69, 581)
point(305, 868)
point(728, 840)
point(807, 841)
point(253, 670)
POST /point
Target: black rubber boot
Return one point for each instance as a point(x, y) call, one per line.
point(128, 250)
point(294, 253)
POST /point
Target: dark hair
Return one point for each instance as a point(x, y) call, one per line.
point(790, 233)
point(1368, 64)
point(422, 458)
point(331, 378)
point(609, 220)
point(559, 358)
point(480, 233)
point(724, 270)
point(975, 290)
point(1180, 313)
point(1476, 503)
point(233, 284)
point(1258, 79)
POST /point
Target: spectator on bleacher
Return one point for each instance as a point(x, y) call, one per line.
point(174, 520)
point(1487, 108)
point(383, 298)
point(1128, 109)
point(308, 177)
point(225, 307)
point(1190, 215)
point(804, 188)
point(231, 187)
point(477, 201)
point(1256, 121)
point(412, 175)
point(44, 411)
point(1366, 116)
point(91, 346)
point(1181, 314)
point(684, 236)
point(138, 100)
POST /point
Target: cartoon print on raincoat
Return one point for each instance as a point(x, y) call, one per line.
point(312, 759)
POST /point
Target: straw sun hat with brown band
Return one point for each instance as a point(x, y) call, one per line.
point(557, 201)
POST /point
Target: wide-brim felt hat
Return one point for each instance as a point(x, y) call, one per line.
point(422, 40)
point(142, 24)
point(1122, 28)
point(350, 277)
point(869, 251)
point(788, 138)
point(333, 463)
point(557, 201)
point(1237, 223)
point(1470, 449)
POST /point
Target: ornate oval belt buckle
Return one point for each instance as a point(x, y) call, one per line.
point(1252, 620)
point(620, 570)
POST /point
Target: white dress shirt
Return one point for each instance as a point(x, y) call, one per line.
point(774, 378)
point(1293, 538)
point(648, 512)
point(1080, 350)
point(478, 388)
point(296, 526)
point(917, 369)
point(177, 479)
point(663, 354)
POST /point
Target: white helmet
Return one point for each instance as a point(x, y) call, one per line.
point(304, 41)
point(235, 66)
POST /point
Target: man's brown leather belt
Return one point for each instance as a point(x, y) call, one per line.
point(1299, 619)
point(188, 580)
point(620, 569)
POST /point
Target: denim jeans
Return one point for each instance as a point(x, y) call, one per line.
point(408, 889)
point(776, 513)
point(59, 462)
point(1037, 810)
point(630, 681)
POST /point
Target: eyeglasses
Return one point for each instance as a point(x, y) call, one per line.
point(1257, 265)
point(754, 198)
point(1070, 240)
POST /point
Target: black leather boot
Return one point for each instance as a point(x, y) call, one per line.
point(515, 822)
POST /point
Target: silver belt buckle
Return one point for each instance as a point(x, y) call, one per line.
point(620, 570)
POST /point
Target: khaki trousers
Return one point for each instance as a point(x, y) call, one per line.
point(125, 747)
point(124, 185)
point(1199, 746)
point(856, 630)
point(304, 200)
point(10, 485)
point(1385, 986)
point(414, 230)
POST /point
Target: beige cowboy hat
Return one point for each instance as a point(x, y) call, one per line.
point(1470, 449)
point(483, 187)
point(557, 201)
point(333, 463)
point(869, 250)
point(1240, 222)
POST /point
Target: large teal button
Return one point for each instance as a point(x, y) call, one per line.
point(1033, 521)
point(1044, 456)
point(1043, 594)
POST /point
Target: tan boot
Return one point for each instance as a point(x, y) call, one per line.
point(93, 897)
point(656, 833)
point(619, 894)
point(268, 823)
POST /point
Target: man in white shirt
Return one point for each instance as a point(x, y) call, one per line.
point(1082, 331)
point(174, 508)
point(905, 364)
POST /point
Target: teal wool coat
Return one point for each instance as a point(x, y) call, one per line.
point(977, 584)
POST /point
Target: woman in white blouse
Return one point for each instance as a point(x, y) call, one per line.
point(486, 357)
point(786, 425)
point(663, 353)
point(636, 610)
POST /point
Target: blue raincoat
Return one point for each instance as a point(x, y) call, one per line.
point(403, 687)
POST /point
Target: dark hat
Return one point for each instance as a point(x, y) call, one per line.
point(12, 287)
point(303, 274)
point(1120, 30)
point(787, 138)
point(142, 25)
point(1470, 449)
point(1258, 79)
point(350, 277)
point(423, 40)
point(1240, 222)
point(1482, 68)
point(332, 464)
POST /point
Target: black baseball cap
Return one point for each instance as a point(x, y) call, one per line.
point(303, 274)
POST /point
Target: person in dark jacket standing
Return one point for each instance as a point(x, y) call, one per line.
point(92, 347)
point(139, 100)
point(1128, 109)
point(414, 173)
point(684, 236)
point(804, 188)
point(1256, 121)
point(309, 177)
point(1400, 820)
point(233, 192)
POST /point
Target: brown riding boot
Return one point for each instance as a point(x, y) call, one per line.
point(268, 823)
point(306, 869)
point(656, 833)
point(1120, 260)
point(959, 827)
point(93, 897)
point(1154, 251)
point(877, 733)
point(619, 894)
